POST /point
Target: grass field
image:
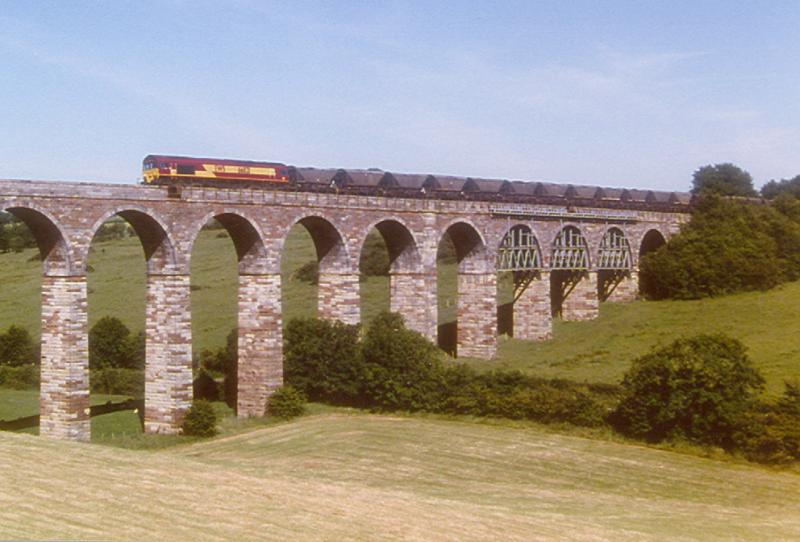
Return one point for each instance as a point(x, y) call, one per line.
point(341, 476)
point(600, 350)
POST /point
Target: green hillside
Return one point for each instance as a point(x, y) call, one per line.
point(340, 476)
point(599, 350)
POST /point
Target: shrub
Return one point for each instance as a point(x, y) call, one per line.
point(286, 403)
point(402, 369)
point(200, 420)
point(205, 387)
point(321, 360)
point(697, 389)
point(728, 246)
point(17, 347)
point(22, 377)
point(112, 345)
point(770, 433)
point(118, 381)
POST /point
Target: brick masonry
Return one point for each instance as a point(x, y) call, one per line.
point(477, 315)
point(168, 350)
point(582, 302)
point(533, 319)
point(339, 297)
point(65, 217)
point(625, 289)
point(413, 295)
point(64, 395)
point(260, 342)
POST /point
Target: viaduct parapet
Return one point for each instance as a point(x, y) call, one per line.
point(565, 258)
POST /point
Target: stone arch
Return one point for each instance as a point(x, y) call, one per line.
point(652, 240)
point(407, 292)
point(338, 280)
point(54, 249)
point(475, 329)
point(247, 237)
point(332, 251)
point(152, 231)
point(64, 367)
point(470, 245)
point(259, 361)
point(570, 249)
point(523, 289)
point(404, 254)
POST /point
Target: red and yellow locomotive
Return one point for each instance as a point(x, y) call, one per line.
point(157, 169)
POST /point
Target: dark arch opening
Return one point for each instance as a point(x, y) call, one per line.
point(116, 275)
point(312, 248)
point(217, 252)
point(30, 245)
point(458, 249)
point(652, 241)
point(387, 251)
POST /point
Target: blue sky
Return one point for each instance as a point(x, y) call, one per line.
point(634, 94)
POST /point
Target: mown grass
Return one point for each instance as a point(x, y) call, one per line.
point(353, 476)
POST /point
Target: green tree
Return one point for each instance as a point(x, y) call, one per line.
point(697, 389)
point(321, 360)
point(728, 246)
point(723, 179)
point(402, 369)
point(17, 347)
point(790, 187)
point(110, 345)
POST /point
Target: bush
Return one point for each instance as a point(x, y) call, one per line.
point(112, 345)
point(770, 433)
point(697, 389)
point(402, 370)
point(22, 377)
point(728, 246)
point(17, 348)
point(286, 403)
point(321, 360)
point(205, 387)
point(117, 381)
point(517, 396)
point(200, 420)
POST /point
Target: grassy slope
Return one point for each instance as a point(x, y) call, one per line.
point(600, 350)
point(363, 477)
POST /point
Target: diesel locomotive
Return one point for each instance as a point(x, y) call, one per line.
point(158, 169)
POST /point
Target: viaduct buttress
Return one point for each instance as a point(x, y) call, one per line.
point(568, 247)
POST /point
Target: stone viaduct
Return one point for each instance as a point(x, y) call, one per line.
point(568, 247)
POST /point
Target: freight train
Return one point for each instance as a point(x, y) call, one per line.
point(176, 172)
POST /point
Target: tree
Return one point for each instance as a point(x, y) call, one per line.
point(790, 187)
point(17, 347)
point(402, 369)
point(728, 246)
point(321, 360)
point(110, 345)
point(698, 389)
point(723, 179)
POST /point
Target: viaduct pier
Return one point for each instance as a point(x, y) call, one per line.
point(568, 248)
